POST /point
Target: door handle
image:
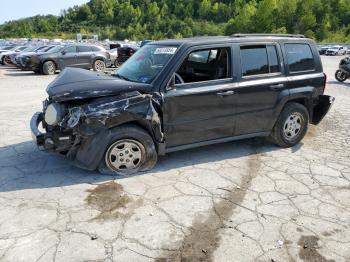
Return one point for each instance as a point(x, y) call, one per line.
point(226, 93)
point(276, 86)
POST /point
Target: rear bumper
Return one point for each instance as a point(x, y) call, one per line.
point(321, 109)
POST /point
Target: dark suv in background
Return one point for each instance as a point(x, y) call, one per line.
point(59, 57)
point(178, 94)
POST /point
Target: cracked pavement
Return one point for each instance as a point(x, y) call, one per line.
point(239, 201)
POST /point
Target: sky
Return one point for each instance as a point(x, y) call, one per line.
point(15, 9)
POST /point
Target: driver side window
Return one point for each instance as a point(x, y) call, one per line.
point(205, 65)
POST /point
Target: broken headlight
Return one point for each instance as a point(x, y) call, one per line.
point(74, 117)
point(54, 113)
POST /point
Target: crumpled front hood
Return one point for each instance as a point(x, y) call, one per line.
point(74, 84)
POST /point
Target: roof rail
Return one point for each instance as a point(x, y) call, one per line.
point(277, 35)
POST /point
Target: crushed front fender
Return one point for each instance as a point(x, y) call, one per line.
point(100, 116)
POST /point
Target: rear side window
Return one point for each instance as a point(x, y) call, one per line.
point(96, 48)
point(259, 60)
point(299, 57)
point(83, 49)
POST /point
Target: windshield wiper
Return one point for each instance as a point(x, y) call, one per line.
point(123, 77)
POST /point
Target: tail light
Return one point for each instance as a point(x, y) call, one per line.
point(325, 81)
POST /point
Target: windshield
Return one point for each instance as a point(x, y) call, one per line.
point(7, 47)
point(29, 49)
point(21, 48)
point(47, 48)
point(54, 49)
point(146, 63)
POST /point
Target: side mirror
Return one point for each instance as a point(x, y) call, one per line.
point(171, 84)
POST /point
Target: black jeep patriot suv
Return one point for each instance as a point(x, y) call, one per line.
point(178, 94)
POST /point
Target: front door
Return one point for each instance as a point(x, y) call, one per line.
point(200, 107)
point(68, 57)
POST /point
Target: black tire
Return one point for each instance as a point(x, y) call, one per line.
point(340, 75)
point(49, 68)
point(117, 63)
point(99, 65)
point(6, 61)
point(281, 135)
point(129, 133)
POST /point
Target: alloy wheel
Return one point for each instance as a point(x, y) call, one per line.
point(293, 126)
point(99, 65)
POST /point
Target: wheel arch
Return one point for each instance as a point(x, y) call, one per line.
point(137, 110)
point(300, 95)
point(93, 148)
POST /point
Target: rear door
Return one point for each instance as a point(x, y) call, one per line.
point(201, 106)
point(84, 56)
point(262, 81)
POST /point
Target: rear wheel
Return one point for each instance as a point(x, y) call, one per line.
point(49, 68)
point(130, 150)
point(117, 63)
point(291, 125)
point(340, 75)
point(99, 65)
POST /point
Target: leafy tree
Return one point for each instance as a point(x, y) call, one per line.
point(323, 20)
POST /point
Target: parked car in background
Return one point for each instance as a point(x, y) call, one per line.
point(161, 100)
point(6, 48)
point(22, 57)
point(5, 56)
point(124, 53)
point(77, 55)
point(13, 56)
point(114, 56)
point(145, 42)
point(336, 50)
point(322, 49)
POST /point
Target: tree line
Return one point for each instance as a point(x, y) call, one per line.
point(322, 20)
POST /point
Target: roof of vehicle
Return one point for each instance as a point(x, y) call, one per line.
point(83, 44)
point(233, 38)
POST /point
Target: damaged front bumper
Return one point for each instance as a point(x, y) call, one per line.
point(321, 108)
point(49, 141)
point(43, 142)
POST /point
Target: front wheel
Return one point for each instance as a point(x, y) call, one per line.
point(130, 150)
point(340, 75)
point(49, 68)
point(99, 65)
point(291, 125)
